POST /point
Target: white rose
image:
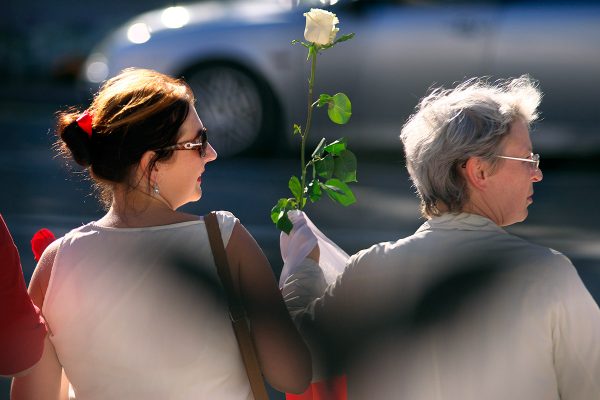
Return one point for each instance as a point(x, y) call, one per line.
point(320, 26)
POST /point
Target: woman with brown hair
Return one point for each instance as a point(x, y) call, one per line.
point(132, 301)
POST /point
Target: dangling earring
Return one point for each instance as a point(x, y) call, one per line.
point(155, 189)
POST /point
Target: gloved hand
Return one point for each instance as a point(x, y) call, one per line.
point(296, 246)
point(303, 239)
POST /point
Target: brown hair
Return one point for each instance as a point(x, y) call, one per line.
point(136, 111)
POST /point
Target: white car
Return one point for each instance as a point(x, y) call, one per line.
point(251, 82)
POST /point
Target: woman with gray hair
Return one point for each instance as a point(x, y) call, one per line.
point(461, 309)
point(452, 126)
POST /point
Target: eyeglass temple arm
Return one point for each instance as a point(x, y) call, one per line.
point(519, 159)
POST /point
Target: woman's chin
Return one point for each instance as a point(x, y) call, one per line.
point(194, 197)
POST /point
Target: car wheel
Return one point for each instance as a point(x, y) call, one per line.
point(233, 106)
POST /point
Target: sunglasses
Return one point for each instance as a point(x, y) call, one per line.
point(201, 144)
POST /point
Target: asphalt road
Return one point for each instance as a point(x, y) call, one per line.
point(37, 191)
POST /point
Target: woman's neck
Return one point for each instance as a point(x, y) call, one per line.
point(134, 208)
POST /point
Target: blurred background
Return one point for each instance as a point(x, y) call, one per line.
point(251, 87)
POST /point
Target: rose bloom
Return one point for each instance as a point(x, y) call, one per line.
point(320, 26)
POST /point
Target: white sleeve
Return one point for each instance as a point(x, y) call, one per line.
point(227, 222)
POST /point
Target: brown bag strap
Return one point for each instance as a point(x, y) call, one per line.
point(236, 309)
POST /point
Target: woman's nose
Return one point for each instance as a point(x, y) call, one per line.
point(211, 153)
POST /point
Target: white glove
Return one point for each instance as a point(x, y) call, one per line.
point(302, 239)
point(302, 287)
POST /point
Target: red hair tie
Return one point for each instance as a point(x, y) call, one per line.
point(85, 122)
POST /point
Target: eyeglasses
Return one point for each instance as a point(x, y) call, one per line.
point(201, 144)
point(533, 158)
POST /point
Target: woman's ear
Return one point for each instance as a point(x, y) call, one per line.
point(145, 163)
point(476, 172)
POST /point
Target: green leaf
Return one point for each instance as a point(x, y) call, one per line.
point(299, 42)
point(297, 130)
point(319, 150)
point(295, 187)
point(345, 166)
point(284, 224)
point(340, 109)
point(324, 99)
point(279, 214)
point(343, 38)
point(314, 190)
point(336, 147)
point(277, 208)
point(339, 192)
point(330, 188)
point(324, 166)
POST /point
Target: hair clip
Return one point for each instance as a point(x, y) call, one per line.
point(85, 123)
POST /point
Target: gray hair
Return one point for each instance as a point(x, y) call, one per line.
point(452, 125)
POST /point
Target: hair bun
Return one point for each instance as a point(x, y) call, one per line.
point(78, 143)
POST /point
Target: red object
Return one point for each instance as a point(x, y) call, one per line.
point(85, 122)
point(22, 329)
point(331, 389)
point(40, 240)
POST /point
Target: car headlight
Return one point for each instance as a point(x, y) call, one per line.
point(175, 17)
point(139, 33)
point(96, 68)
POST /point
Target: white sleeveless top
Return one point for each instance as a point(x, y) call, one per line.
point(139, 313)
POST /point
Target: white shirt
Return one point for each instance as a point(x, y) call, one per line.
point(460, 310)
point(137, 313)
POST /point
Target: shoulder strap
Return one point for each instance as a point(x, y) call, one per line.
point(236, 310)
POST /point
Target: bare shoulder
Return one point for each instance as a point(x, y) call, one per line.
point(41, 276)
point(247, 258)
point(240, 235)
point(242, 244)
